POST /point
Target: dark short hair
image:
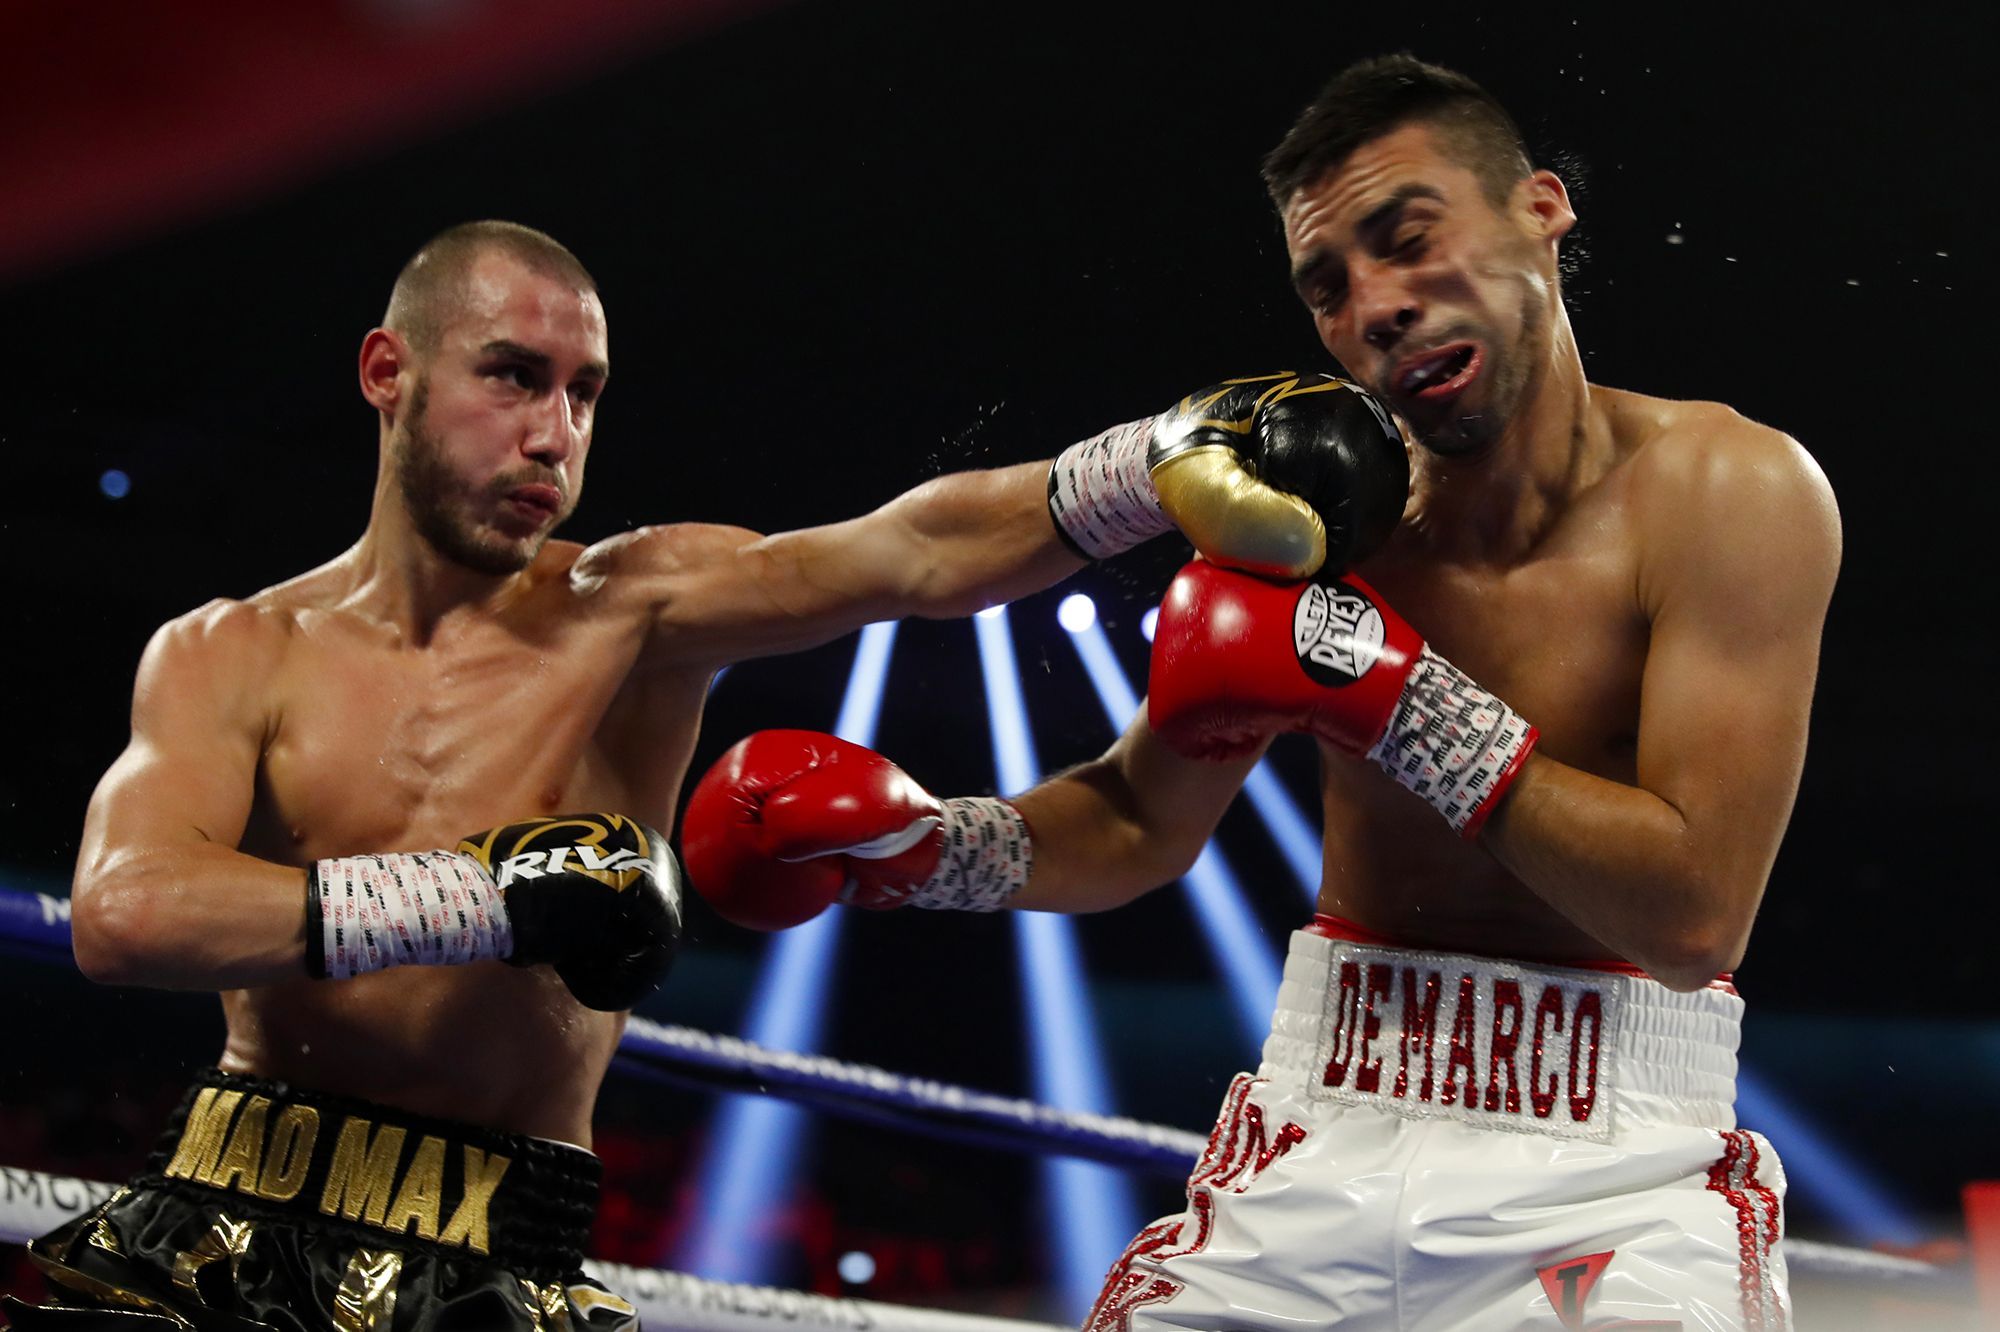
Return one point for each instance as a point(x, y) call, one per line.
point(1371, 98)
point(432, 284)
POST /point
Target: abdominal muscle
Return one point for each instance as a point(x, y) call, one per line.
point(502, 1047)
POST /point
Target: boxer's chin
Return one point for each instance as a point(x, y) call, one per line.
point(1465, 436)
point(480, 548)
point(483, 547)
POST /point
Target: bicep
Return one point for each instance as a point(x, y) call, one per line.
point(1727, 692)
point(188, 773)
point(727, 594)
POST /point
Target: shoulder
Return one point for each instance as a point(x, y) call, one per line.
point(1710, 455)
point(1720, 494)
point(648, 555)
point(219, 659)
point(227, 629)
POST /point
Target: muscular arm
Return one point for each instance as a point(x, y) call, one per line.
point(1738, 560)
point(161, 895)
point(1122, 824)
point(947, 548)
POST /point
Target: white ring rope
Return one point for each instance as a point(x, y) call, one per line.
point(38, 925)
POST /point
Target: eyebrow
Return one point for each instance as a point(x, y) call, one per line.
point(1384, 212)
point(540, 360)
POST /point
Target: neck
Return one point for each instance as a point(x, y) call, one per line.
point(400, 578)
point(1494, 506)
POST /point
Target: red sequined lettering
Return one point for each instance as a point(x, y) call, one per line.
point(1419, 1023)
point(1368, 1072)
point(1506, 1001)
point(1583, 1097)
point(1464, 1031)
point(1549, 1006)
point(1348, 1003)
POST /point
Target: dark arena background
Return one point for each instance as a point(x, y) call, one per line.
point(846, 247)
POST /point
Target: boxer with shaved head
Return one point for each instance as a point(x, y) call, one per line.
point(419, 1013)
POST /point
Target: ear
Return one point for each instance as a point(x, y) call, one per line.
point(1541, 203)
point(384, 357)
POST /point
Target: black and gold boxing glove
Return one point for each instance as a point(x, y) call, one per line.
point(1279, 474)
point(596, 896)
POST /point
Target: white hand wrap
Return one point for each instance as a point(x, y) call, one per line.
point(987, 854)
point(1453, 743)
point(427, 908)
point(1101, 493)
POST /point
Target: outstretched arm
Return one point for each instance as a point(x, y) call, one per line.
point(1271, 472)
point(787, 822)
point(947, 548)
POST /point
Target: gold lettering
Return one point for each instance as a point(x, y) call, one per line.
point(202, 1137)
point(290, 1154)
point(363, 1173)
point(482, 1177)
point(245, 1155)
point(422, 1191)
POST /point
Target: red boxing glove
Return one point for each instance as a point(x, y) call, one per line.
point(1236, 659)
point(786, 822)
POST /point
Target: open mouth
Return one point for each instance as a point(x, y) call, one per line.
point(1439, 374)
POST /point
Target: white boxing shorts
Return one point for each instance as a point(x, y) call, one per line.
point(1437, 1142)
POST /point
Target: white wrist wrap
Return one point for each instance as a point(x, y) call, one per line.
point(1101, 492)
point(1452, 743)
point(987, 853)
point(427, 908)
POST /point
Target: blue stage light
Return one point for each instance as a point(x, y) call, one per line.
point(1092, 1211)
point(115, 484)
point(1302, 843)
point(1149, 622)
point(1076, 613)
point(1820, 1171)
point(750, 1168)
point(1247, 961)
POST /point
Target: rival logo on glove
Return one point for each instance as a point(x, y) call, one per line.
point(1337, 633)
point(612, 850)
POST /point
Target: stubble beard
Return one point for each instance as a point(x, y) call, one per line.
point(1469, 434)
point(440, 506)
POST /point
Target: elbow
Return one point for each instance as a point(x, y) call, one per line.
point(1687, 954)
point(109, 928)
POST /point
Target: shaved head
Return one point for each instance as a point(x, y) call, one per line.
point(431, 289)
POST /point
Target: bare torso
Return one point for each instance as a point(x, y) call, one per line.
point(547, 704)
point(1562, 636)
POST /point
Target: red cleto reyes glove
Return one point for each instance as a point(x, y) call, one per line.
point(788, 822)
point(1236, 659)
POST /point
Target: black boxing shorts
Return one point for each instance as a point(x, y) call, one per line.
point(266, 1206)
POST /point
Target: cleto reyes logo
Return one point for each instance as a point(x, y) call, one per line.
point(1337, 633)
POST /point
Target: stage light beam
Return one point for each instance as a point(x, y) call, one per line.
point(752, 1163)
point(1092, 1211)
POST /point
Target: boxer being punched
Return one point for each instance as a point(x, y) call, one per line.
point(1562, 713)
point(419, 1014)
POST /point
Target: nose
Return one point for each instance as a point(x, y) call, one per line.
point(554, 430)
point(1384, 308)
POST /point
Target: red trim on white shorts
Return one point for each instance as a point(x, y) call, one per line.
point(1239, 1143)
point(1734, 1176)
point(1346, 931)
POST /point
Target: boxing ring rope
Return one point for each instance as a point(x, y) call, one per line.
point(37, 925)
